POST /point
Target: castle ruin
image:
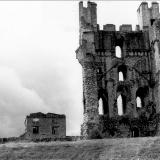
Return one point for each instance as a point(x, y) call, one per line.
point(40, 126)
point(131, 75)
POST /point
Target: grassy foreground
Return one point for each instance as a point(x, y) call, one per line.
point(106, 149)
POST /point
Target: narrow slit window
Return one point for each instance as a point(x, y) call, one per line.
point(139, 102)
point(118, 52)
point(100, 106)
point(121, 76)
point(120, 105)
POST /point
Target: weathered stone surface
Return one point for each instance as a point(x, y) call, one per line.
point(49, 125)
point(139, 63)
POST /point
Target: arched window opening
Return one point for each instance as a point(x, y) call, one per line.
point(121, 76)
point(139, 102)
point(120, 105)
point(141, 95)
point(100, 109)
point(118, 52)
point(122, 72)
point(103, 102)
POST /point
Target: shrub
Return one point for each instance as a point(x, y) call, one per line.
point(95, 134)
point(147, 123)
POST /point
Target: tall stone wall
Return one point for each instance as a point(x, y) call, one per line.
point(101, 66)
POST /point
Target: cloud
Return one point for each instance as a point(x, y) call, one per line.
point(16, 101)
point(49, 89)
point(38, 66)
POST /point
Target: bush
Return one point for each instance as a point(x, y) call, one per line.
point(147, 123)
point(95, 134)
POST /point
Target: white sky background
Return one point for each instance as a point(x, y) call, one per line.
point(39, 71)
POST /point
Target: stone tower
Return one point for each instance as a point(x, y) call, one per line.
point(121, 64)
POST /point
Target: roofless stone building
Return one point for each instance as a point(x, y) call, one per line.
point(122, 70)
point(40, 125)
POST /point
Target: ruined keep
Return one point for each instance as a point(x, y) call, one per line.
point(40, 125)
point(132, 74)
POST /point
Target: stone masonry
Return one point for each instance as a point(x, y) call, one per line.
point(139, 63)
point(50, 125)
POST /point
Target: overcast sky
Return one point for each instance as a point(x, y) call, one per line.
point(39, 71)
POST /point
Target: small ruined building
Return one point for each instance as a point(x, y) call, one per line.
point(121, 74)
point(50, 125)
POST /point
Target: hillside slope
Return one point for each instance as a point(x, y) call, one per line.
point(107, 149)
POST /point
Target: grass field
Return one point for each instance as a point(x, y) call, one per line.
point(106, 149)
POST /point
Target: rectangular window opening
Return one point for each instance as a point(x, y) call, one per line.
point(55, 130)
point(35, 129)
